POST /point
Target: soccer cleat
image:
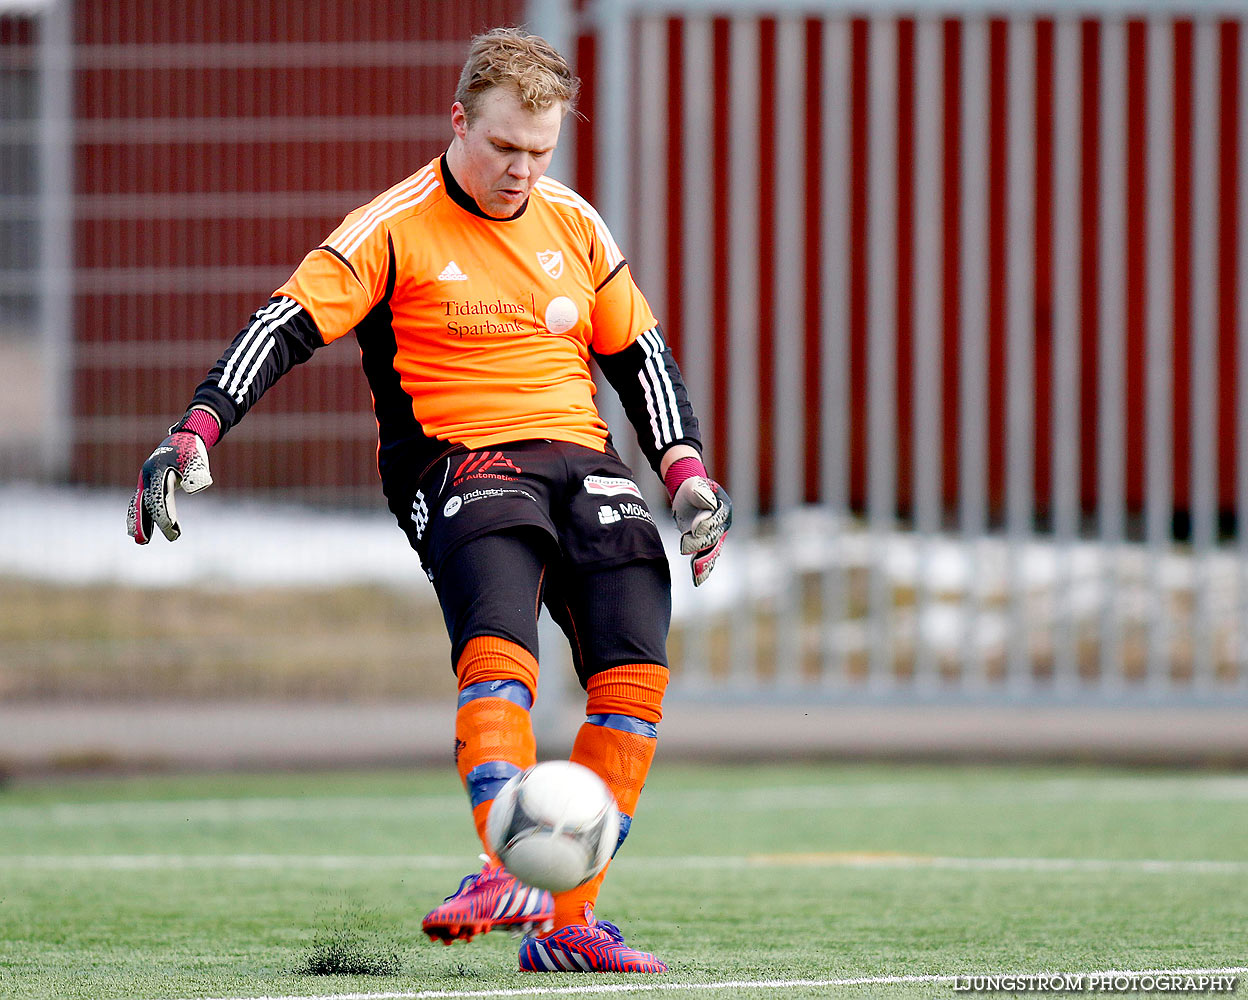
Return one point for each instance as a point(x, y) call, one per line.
point(489, 900)
point(594, 947)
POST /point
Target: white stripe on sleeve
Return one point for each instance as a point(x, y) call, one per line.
point(262, 318)
point(643, 376)
point(659, 392)
point(352, 240)
point(255, 347)
point(357, 232)
point(242, 390)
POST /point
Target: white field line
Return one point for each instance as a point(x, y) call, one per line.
point(240, 810)
point(735, 984)
point(1182, 788)
point(345, 862)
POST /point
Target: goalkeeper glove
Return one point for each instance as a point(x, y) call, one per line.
point(703, 513)
point(181, 459)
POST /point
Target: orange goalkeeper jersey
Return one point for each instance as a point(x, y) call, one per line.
point(473, 331)
point(482, 327)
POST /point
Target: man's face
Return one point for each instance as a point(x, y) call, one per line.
point(504, 150)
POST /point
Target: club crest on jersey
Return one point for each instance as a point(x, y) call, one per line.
point(551, 261)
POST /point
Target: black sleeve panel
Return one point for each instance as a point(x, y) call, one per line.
point(276, 338)
point(650, 386)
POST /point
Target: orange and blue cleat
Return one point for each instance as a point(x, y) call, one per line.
point(594, 947)
point(489, 900)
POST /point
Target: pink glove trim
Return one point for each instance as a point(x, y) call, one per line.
point(204, 424)
point(680, 470)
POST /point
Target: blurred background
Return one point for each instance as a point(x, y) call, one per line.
point(959, 291)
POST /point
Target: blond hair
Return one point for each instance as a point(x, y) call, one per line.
point(512, 57)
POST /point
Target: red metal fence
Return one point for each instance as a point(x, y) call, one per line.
point(214, 149)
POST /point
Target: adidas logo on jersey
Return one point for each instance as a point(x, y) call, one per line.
point(452, 273)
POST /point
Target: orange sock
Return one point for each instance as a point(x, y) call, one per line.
point(493, 730)
point(617, 741)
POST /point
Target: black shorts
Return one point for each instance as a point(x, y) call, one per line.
point(496, 584)
point(585, 501)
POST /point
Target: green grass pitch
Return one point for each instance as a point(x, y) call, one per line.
point(233, 886)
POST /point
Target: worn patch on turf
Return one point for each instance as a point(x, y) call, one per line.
point(354, 943)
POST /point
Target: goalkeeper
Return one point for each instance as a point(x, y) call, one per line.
point(478, 291)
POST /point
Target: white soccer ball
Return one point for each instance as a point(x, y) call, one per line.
point(554, 825)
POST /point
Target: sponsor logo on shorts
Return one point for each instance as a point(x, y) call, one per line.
point(472, 496)
point(420, 514)
point(486, 465)
point(609, 486)
point(637, 511)
point(626, 510)
point(454, 504)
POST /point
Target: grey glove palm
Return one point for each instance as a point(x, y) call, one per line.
point(703, 513)
point(180, 460)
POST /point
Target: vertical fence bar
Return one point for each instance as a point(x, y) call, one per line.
point(743, 174)
point(697, 237)
point(56, 220)
point(928, 311)
point(1020, 341)
point(1202, 496)
point(612, 147)
point(1111, 393)
point(614, 90)
point(696, 230)
point(1159, 404)
point(554, 20)
point(648, 253)
point(1066, 369)
point(790, 116)
point(1241, 363)
point(973, 279)
point(790, 313)
point(881, 339)
point(834, 333)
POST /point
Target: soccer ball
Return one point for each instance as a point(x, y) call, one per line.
point(554, 825)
